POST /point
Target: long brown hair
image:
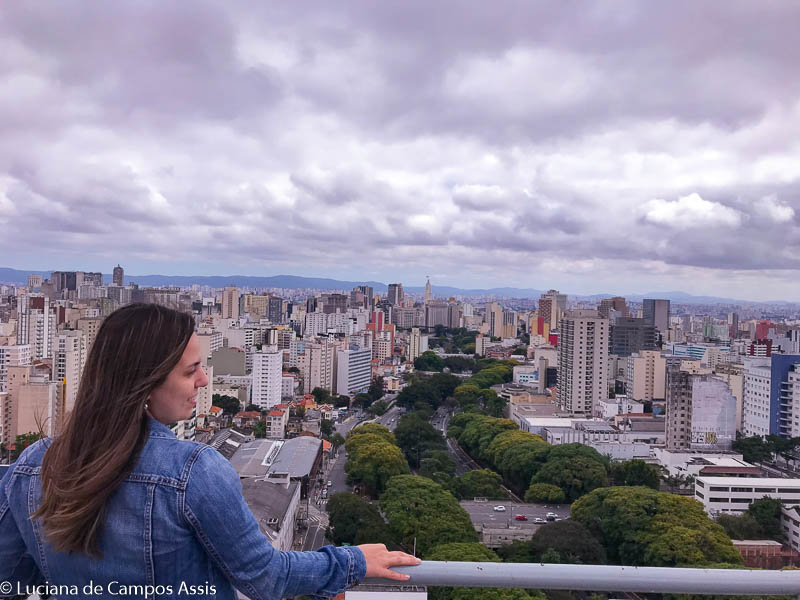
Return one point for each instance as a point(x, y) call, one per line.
point(135, 349)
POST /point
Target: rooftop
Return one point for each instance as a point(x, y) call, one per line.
point(254, 459)
point(752, 481)
point(297, 456)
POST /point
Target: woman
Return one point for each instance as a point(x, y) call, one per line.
point(117, 502)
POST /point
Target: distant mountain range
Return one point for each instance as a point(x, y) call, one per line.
point(320, 283)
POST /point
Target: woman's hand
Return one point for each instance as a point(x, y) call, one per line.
point(379, 559)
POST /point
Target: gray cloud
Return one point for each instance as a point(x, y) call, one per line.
point(522, 143)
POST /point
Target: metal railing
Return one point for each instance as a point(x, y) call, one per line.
point(601, 578)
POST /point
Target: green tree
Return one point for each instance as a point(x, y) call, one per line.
point(416, 507)
point(480, 483)
point(480, 432)
point(573, 542)
point(635, 472)
point(741, 527)
point(505, 440)
point(253, 408)
point(228, 404)
point(326, 427)
point(378, 408)
point(640, 526)
point(754, 449)
point(354, 521)
point(260, 429)
point(336, 440)
point(321, 395)
point(372, 462)
point(429, 361)
point(766, 512)
point(459, 364)
point(437, 461)
point(375, 390)
point(21, 442)
point(544, 493)
point(375, 428)
point(472, 552)
point(362, 400)
point(575, 476)
point(417, 437)
point(341, 401)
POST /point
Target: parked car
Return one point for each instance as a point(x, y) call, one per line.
point(499, 508)
point(330, 483)
point(552, 514)
point(521, 518)
point(539, 520)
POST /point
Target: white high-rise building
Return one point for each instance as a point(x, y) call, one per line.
point(13, 356)
point(417, 343)
point(316, 323)
point(582, 361)
point(756, 397)
point(353, 370)
point(36, 324)
point(70, 360)
point(317, 366)
point(267, 372)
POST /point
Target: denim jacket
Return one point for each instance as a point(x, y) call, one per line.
point(178, 527)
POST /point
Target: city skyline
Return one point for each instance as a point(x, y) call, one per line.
point(589, 148)
point(285, 281)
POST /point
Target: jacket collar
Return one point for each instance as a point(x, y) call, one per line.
point(159, 430)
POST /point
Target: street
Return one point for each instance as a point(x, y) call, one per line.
point(333, 471)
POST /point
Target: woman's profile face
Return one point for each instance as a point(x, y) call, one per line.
point(175, 399)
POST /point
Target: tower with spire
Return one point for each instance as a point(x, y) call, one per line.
point(428, 292)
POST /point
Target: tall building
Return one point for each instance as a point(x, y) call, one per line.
point(13, 356)
point(366, 294)
point(551, 306)
point(230, 303)
point(616, 303)
point(118, 276)
point(275, 310)
point(733, 322)
point(89, 326)
point(771, 396)
point(395, 295)
point(256, 306)
point(701, 411)
point(646, 376)
point(70, 359)
point(656, 312)
point(317, 366)
point(72, 280)
point(30, 406)
point(267, 370)
point(334, 303)
point(417, 343)
point(582, 361)
point(428, 291)
point(630, 336)
point(436, 313)
point(353, 370)
point(494, 317)
point(36, 324)
point(34, 281)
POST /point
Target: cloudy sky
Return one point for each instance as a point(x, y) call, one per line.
point(594, 147)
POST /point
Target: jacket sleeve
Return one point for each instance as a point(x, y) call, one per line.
point(17, 568)
point(215, 509)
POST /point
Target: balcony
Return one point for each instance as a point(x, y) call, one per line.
point(600, 578)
